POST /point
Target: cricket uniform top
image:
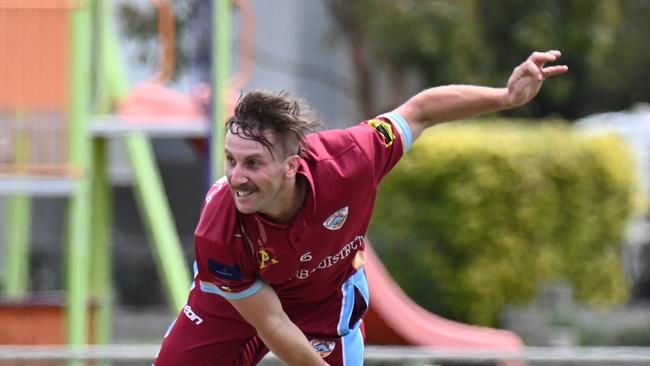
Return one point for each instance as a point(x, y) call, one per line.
point(314, 264)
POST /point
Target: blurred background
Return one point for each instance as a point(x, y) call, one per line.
point(532, 220)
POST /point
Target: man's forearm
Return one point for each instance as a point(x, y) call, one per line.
point(263, 311)
point(454, 102)
point(287, 342)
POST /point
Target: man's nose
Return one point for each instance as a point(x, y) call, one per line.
point(237, 177)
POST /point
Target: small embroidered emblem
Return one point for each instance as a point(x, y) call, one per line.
point(337, 219)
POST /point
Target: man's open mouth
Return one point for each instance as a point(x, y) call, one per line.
point(243, 192)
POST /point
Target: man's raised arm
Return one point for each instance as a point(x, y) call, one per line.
point(454, 102)
point(264, 312)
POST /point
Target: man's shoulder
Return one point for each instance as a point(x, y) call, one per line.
point(330, 143)
point(218, 220)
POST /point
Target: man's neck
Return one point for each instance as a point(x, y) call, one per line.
point(292, 201)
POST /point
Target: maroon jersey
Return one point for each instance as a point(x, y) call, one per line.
point(308, 261)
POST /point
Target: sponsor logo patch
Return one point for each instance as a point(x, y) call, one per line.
point(232, 273)
point(385, 129)
point(323, 347)
point(191, 315)
point(337, 219)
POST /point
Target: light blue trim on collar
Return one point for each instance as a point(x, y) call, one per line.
point(403, 126)
point(213, 289)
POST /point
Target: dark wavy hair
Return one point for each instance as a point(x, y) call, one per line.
point(289, 118)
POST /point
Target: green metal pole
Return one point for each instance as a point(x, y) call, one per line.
point(149, 190)
point(101, 253)
point(221, 67)
point(117, 85)
point(78, 253)
point(17, 235)
point(18, 227)
point(150, 194)
point(102, 210)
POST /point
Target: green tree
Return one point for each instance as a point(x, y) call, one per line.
point(473, 41)
point(139, 23)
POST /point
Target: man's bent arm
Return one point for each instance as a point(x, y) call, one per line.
point(454, 102)
point(264, 312)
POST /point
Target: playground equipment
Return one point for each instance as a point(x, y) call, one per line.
point(38, 94)
point(50, 145)
point(44, 147)
point(51, 76)
point(393, 318)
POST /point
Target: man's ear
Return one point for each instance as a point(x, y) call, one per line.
point(293, 164)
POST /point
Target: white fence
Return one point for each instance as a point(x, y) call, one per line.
point(143, 354)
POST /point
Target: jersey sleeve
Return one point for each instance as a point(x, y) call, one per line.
point(224, 266)
point(223, 271)
point(383, 141)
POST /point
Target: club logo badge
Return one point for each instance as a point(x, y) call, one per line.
point(337, 219)
point(323, 347)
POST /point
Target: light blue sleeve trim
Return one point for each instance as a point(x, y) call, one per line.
point(403, 126)
point(213, 289)
point(196, 273)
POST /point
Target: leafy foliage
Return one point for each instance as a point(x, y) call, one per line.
point(475, 217)
point(480, 42)
point(139, 23)
point(460, 41)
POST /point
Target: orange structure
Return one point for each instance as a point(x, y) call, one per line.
point(395, 319)
point(34, 59)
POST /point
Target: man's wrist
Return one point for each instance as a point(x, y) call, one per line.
point(503, 99)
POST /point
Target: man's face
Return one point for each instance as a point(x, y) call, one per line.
point(257, 178)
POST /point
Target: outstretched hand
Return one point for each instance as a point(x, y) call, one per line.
point(527, 78)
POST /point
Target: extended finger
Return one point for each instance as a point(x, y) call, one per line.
point(554, 70)
point(540, 58)
point(556, 53)
point(531, 68)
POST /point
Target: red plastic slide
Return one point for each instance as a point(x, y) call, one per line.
point(395, 319)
